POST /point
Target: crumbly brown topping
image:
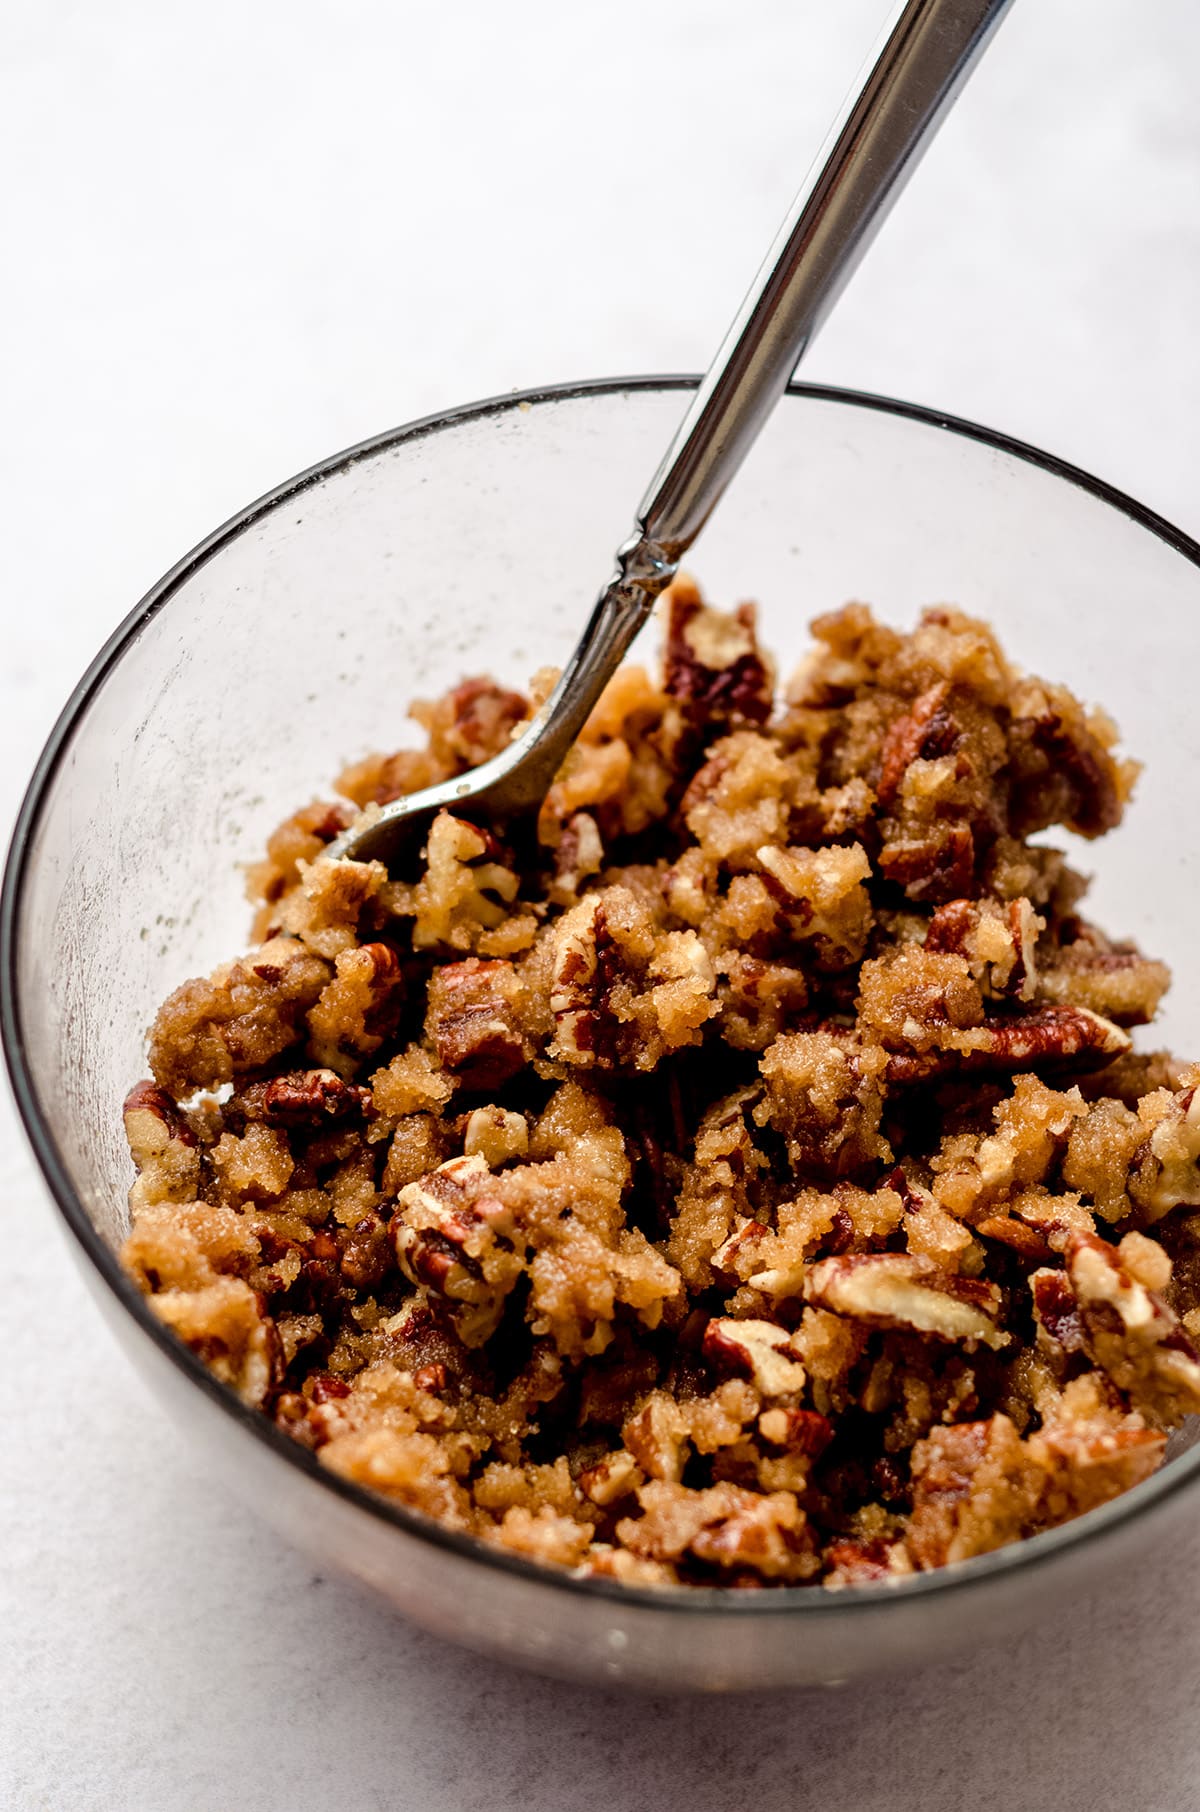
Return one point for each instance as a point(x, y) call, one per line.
point(747, 1178)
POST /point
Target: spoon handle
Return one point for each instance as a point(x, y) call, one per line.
point(927, 53)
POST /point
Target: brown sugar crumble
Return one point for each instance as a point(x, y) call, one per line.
point(744, 1179)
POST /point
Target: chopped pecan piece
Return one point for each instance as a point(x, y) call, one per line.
point(224, 1324)
point(299, 1099)
point(713, 665)
point(431, 1378)
point(580, 854)
point(152, 1122)
point(421, 1336)
point(924, 733)
point(756, 1349)
point(1061, 772)
point(329, 904)
point(854, 1563)
point(366, 1255)
point(162, 1146)
point(358, 1009)
point(824, 1095)
point(1083, 969)
point(623, 994)
point(1044, 1038)
point(1131, 1334)
point(758, 1000)
point(300, 838)
point(472, 1021)
point(798, 1430)
point(1056, 1309)
point(496, 1135)
point(465, 892)
point(998, 941)
point(1090, 1450)
point(822, 896)
point(936, 866)
point(610, 1479)
point(1027, 1242)
point(482, 718)
point(905, 1290)
point(736, 1255)
point(455, 1238)
point(656, 1437)
point(723, 1526)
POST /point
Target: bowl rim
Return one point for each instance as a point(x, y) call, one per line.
point(953, 1580)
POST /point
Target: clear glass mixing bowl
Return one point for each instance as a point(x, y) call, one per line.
point(292, 641)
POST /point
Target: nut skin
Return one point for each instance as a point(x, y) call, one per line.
point(430, 1258)
point(841, 1233)
point(586, 967)
point(739, 1246)
point(326, 1388)
point(387, 980)
point(1025, 1241)
point(950, 926)
point(431, 1378)
point(932, 868)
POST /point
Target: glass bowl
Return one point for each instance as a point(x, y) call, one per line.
point(292, 640)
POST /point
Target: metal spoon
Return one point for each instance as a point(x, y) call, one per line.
point(927, 53)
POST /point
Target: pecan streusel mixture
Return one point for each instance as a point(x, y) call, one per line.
point(747, 1179)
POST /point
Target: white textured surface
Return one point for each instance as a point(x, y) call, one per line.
point(237, 237)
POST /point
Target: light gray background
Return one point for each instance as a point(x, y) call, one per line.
point(238, 236)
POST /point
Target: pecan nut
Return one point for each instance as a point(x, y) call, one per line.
point(300, 1099)
point(712, 663)
point(1041, 1039)
point(454, 1238)
point(758, 1350)
point(163, 1147)
point(907, 1290)
point(472, 1021)
point(1131, 1334)
point(998, 941)
point(924, 733)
